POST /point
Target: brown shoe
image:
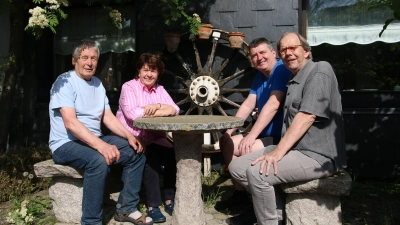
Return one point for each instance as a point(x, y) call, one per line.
point(125, 218)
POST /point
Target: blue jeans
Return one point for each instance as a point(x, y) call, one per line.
point(80, 155)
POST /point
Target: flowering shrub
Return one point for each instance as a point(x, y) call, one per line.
point(46, 16)
point(29, 211)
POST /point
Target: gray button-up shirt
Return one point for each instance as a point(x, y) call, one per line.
point(315, 90)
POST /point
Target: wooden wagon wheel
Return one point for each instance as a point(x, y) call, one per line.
point(203, 85)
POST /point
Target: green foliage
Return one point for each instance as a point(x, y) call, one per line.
point(29, 211)
point(16, 172)
point(53, 13)
point(175, 12)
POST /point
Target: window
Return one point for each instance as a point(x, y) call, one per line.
point(117, 47)
point(346, 34)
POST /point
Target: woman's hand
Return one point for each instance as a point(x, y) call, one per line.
point(150, 109)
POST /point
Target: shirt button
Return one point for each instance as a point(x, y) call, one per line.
point(287, 93)
point(285, 107)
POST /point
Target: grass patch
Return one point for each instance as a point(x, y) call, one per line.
point(211, 192)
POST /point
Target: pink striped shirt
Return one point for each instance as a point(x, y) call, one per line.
point(133, 96)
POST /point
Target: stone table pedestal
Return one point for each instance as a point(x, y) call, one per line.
point(187, 132)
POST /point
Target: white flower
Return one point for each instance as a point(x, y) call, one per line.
point(197, 17)
point(30, 176)
point(19, 181)
point(116, 18)
point(25, 174)
point(29, 218)
point(38, 18)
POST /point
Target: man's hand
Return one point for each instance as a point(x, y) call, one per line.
point(136, 143)
point(270, 159)
point(246, 144)
point(109, 152)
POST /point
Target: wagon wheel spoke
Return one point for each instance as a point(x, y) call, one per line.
point(223, 81)
point(181, 91)
point(185, 66)
point(227, 101)
point(183, 101)
point(219, 108)
point(212, 55)
point(201, 110)
point(198, 61)
point(192, 106)
point(235, 90)
point(178, 78)
point(219, 71)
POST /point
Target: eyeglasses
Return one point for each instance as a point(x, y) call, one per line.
point(86, 58)
point(290, 48)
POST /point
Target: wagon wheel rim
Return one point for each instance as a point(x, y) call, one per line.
point(204, 88)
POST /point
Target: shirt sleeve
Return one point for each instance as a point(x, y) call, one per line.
point(129, 102)
point(316, 95)
point(62, 95)
point(166, 98)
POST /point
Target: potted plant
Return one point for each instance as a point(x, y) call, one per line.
point(205, 31)
point(172, 41)
point(236, 39)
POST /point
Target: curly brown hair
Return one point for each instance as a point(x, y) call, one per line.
point(153, 61)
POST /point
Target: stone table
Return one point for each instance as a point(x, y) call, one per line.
point(187, 132)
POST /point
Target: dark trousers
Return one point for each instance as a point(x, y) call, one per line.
point(158, 156)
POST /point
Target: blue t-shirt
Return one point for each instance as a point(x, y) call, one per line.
point(89, 100)
point(262, 87)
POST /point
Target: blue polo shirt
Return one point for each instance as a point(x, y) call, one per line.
point(262, 87)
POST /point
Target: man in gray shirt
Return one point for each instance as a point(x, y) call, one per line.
point(312, 145)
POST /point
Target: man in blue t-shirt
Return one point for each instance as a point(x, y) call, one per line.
point(78, 106)
point(267, 94)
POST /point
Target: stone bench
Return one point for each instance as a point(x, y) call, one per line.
point(66, 190)
point(316, 201)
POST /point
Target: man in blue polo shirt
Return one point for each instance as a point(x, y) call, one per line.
point(267, 93)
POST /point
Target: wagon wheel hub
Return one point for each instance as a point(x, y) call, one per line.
point(204, 91)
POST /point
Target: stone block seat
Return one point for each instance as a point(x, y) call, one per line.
point(316, 201)
point(66, 190)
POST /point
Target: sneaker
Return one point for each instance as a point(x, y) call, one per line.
point(239, 199)
point(156, 215)
point(247, 217)
point(169, 208)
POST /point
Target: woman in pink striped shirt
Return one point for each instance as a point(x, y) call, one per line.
point(144, 97)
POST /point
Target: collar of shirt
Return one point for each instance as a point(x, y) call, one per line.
point(303, 73)
point(144, 88)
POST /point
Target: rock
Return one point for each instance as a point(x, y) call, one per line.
point(316, 201)
point(338, 184)
point(66, 194)
point(49, 169)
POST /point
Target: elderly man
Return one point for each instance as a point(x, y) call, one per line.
point(268, 93)
point(312, 145)
point(78, 105)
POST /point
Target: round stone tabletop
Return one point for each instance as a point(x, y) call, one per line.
point(200, 123)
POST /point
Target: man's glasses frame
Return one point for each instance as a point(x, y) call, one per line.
point(291, 48)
